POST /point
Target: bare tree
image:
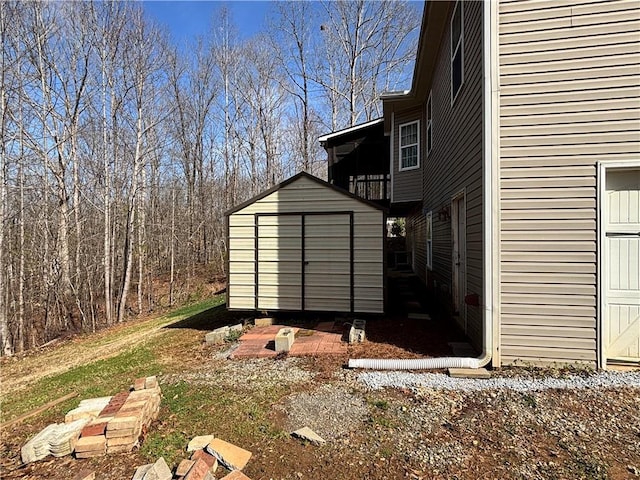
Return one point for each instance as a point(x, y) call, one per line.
point(5, 20)
point(294, 46)
point(363, 42)
point(146, 62)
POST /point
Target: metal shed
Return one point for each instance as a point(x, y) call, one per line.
point(306, 245)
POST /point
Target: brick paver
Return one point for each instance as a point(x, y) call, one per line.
point(325, 339)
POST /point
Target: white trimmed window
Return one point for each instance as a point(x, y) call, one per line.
point(429, 237)
point(457, 50)
point(409, 145)
point(429, 124)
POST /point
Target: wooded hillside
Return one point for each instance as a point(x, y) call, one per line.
point(121, 151)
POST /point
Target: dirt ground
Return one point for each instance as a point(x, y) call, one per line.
point(393, 433)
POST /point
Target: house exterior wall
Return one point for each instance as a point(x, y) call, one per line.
point(569, 97)
point(407, 184)
point(280, 240)
point(455, 163)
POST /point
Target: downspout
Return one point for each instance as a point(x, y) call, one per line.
point(487, 206)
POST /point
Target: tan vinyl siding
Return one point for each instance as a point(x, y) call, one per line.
point(569, 97)
point(455, 164)
point(327, 249)
point(407, 184)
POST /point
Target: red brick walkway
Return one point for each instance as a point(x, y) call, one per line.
point(324, 339)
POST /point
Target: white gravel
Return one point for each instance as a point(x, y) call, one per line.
point(439, 381)
point(329, 410)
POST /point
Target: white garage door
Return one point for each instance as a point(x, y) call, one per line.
point(621, 270)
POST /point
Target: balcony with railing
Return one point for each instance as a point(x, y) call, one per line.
point(371, 187)
point(358, 161)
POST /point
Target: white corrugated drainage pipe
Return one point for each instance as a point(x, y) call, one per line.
point(416, 363)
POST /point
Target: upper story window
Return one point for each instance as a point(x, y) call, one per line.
point(409, 145)
point(429, 124)
point(457, 50)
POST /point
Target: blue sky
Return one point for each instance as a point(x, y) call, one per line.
point(187, 19)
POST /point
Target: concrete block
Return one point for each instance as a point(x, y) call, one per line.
point(263, 322)
point(356, 332)
point(199, 442)
point(469, 373)
point(284, 340)
point(229, 455)
point(159, 471)
point(236, 328)
point(141, 471)
point(306, 433)
point(217, 336)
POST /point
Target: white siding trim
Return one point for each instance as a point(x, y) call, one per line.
point(603, 166)
point(491, 185)
point(429, 240)
point(429, 125)
point(392, 152)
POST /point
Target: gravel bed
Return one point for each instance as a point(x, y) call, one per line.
point(329, 410)
point(415, 381)
point(252, 373)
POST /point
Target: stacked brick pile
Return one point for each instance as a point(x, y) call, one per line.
point(207, 453)
point(119, 425)
point(99, 426)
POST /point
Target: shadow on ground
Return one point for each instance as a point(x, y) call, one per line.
point(209, 319)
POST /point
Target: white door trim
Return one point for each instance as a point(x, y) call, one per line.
point(600, 243)
point(459, 290)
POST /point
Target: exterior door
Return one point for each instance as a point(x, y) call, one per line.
point(327, 262)
point(459, 256)
point(304, 262)
point(279, 262)
point(621, 269)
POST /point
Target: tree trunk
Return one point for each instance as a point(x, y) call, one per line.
point(131, 219)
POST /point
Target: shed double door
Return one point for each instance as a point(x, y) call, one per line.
point(304, 262)
point(621, 269)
